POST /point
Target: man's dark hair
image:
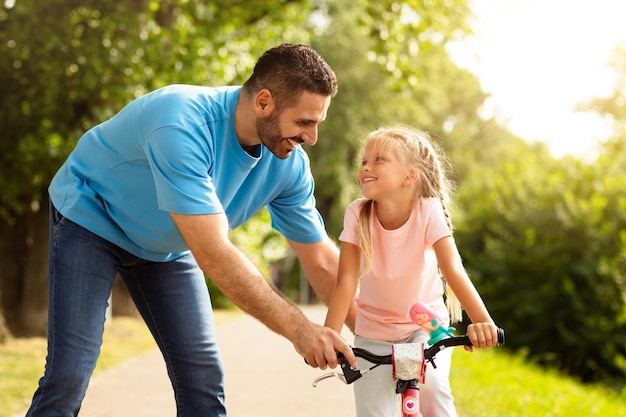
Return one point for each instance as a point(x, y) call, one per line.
point(287, 71)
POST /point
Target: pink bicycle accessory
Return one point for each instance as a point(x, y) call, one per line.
point(425, 317)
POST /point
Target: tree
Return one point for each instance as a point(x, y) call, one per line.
point(69, 64)
point(393, 67)
point(544, 241)
point(613, 106)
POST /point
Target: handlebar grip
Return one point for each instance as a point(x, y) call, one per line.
point(430, 353)
point(501, 338)
point(371, 357)
point(465, 340)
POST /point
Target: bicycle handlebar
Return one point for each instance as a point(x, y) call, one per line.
point(430, 353)
point(352, 374)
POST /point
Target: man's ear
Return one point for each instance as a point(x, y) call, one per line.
point(264, 102)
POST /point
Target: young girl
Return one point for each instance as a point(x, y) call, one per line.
point(394, 243)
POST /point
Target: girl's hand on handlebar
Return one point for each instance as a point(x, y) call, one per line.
point(482, 335)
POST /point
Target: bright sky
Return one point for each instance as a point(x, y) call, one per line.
point(539, 58)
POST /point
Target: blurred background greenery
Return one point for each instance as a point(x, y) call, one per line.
point(542, 237)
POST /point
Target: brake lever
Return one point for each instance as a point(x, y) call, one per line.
point(329, 375)
point(349, 374)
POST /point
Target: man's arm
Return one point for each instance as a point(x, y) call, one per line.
point(320, 262)
point(238, 278)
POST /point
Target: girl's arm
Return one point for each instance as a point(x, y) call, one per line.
point(482, 332)
point(347, 282)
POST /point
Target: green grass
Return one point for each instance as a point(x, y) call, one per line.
point(22, 361)
point(491, 383)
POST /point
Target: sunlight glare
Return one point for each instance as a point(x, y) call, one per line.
point(538, 59)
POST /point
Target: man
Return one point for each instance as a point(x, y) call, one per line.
point(153, 193)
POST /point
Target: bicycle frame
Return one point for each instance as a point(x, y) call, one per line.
point(416, 369)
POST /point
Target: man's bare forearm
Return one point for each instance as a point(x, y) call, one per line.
point(242, 282)
point(320, 262)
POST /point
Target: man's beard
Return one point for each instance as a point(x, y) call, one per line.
point(268, 130)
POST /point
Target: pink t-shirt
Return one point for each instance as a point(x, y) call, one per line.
point(404, 271)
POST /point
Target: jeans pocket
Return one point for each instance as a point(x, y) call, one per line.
point(57, 217)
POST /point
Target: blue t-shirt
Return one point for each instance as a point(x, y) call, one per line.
point(175, 150)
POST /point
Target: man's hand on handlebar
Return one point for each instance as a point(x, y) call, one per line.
point(319, 346)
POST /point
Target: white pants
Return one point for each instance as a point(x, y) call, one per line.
point(375, 393)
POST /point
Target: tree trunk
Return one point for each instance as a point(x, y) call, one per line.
point(4, 331)
point(24, 278)
point(24, 273)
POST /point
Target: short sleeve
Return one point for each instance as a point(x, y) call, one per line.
point(349, 233)
point(294, 212)
point(436, 223)
point(181, 161)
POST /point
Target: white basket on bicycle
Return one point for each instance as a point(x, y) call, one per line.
point(408, 361)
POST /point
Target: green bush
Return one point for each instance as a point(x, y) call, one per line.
point(545, 241)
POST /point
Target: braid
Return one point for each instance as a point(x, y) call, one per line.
point(447, 214)
point(434, 183)
point(441, 189)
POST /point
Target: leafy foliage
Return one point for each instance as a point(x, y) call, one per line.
point(68, 65)
point(393, 68)
point(614, 105)
point(544, 241)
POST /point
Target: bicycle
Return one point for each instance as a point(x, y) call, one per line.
point(409, 367)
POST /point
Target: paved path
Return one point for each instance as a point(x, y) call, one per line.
point(265, 377)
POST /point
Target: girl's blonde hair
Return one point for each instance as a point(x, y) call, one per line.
point(416, 151)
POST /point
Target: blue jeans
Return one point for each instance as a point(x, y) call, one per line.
point(172, 298)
